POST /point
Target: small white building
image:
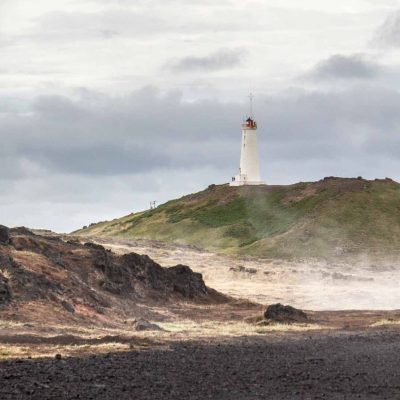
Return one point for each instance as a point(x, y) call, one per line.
point(249, 171)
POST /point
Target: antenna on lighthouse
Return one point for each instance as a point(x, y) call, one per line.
point(251, 97)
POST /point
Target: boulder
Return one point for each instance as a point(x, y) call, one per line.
point(186, 282)
point(144, 325)
point(68, 306)
point(240, 268)
point(95, 246)
point(4, 235)
point(285, 314)
point(5, 291)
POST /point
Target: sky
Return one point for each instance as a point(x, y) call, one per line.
point(108, 105)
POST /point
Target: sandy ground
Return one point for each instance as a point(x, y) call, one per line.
point(312, 285)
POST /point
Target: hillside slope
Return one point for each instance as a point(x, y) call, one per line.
point(50, 278)
point(330, 218)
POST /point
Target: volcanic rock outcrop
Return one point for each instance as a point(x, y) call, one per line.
point(73, 279)
point(285, 314)
point(4, 235)
point(5, 292)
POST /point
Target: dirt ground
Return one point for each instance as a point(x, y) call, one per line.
point(327, 364)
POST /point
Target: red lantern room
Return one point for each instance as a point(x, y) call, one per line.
point(250, 124)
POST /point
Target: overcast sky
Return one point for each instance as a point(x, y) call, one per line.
point(106, 105)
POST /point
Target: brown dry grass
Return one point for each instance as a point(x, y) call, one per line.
point(385, 323)
point(16, 352)
point(204, 323)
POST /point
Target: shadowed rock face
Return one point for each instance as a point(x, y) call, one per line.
point(70, 275)
point(285, 314)
point(4, 235)
point(5, 291)
point(21, 230)
point(26, 284)
point(186, 282)
point(135, 272)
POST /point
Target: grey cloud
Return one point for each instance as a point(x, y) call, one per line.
point(149, 145)
point(345, 121)
point(339, 66)
point(322, 134)
point(99, 159)
point(221, 60)
point(147, 131)
point(388, 34)
point(141, 132)
point(108, 33)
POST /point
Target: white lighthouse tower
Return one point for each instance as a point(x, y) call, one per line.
point(249, 171)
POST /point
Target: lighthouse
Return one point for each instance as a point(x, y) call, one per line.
point(249, 171)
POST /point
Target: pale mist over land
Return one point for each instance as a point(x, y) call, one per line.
point(106, 106)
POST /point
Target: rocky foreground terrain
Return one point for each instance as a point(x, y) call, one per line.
point(79, 321)
point(80, 282)
point(349, 366)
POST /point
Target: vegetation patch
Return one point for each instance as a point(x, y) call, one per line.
point(314, 219)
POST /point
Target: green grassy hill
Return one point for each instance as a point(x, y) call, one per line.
point(332, 217)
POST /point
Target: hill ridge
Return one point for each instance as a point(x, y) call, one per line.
point(328, 218)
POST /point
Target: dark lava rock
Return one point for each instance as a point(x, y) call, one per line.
point(186, 282)
point(144, 325)
point(5, 291)
point(28, 285)
point(21, 230)
point(100, 256)
point(149, 275)
point(74, 242)
point(312, 366)
point(4, 235)
point(99, 309)
point(68, 306)
point(91, 275)
point(94, 246)
point(286, 314)
point(240, 268)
